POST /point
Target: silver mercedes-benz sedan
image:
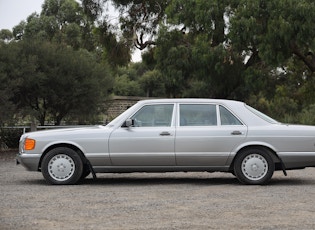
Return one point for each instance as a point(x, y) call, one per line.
point(171, 135)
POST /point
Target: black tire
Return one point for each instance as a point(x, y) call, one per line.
point(254, 166)
point(62, 166)
point(86, 171)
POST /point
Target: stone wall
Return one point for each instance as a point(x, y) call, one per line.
point(119, 104)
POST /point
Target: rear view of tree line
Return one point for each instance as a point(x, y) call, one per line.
point(64, 62)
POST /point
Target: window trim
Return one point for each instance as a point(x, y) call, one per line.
point(153, 104)
point(218, 111)
point(219, 124)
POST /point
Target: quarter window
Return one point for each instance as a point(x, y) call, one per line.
point(198, 115)
point(227, 118)
point(154, 115)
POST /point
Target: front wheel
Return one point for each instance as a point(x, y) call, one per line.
point(62, 166)
point(254, 166)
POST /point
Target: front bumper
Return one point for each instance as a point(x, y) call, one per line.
point(29, 160)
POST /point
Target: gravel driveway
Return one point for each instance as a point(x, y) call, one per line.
point(155, 201)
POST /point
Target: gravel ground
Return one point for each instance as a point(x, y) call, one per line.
point(155, 201)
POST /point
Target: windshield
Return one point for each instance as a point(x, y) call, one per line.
point(262, 115)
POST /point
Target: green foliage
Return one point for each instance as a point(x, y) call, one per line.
point(201, 17)
point(144, 16)
point(261, 52)
point(8, 63)
point(70, 23)
point(307, 115)
point(126, 83)
point(173, 60)
point(138, 80)
point(116, 52)
point(127, 87)
point(186, 58)
point(152, 82)
point(10, 137)
point(55, 85)
point(275, 30)
point(5, 35)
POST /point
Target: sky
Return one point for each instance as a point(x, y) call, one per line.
point(12, 12)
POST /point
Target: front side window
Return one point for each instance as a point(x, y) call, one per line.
point(197, 115)
point(227, 118)
point(153, 115)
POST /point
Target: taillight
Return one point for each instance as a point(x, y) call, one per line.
point(29, 144)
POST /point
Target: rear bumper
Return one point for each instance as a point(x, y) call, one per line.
point(296, 160)
point(29, 161)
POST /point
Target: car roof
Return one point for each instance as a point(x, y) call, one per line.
point(190, 100)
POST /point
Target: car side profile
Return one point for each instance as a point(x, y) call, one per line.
point(173, 135)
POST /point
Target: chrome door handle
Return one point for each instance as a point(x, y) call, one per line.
point(236, 132)
point(165, 134)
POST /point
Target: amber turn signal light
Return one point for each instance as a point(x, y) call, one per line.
point(29, 144)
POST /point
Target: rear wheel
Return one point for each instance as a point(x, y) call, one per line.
point(62, 166)
point(86, 171)
point(254, 166)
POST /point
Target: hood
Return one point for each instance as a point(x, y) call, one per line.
point(67, 132)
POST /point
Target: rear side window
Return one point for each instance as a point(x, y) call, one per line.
point(197, 115)
point(227, 118)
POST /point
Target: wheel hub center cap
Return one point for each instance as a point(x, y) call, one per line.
point(255, 167)
point(61, 167)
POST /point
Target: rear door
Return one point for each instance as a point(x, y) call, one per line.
point(206, 134)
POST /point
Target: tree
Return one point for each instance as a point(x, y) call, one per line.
point(173, 57)
point(60, 21)
point(152, 82)
point(63, 82)
point(5, 35)
point(8, 63)
point(127, 82)
point(140, 20)
point(261, 52)
point(274, 31)
point(116, 52)
point(194, 50)
point(77, 25)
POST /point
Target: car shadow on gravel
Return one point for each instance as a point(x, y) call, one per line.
point(291, 182)
point(160, 181)
point(190, 181)
point(142, 181)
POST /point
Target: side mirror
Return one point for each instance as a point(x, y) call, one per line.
point(128, 123)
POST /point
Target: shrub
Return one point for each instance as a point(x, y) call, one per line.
point(307, 116)
point(10, 137)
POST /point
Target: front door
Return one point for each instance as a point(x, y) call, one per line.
point(149, 141)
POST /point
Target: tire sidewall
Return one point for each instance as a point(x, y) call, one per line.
point(238, 166)
point(75, 177)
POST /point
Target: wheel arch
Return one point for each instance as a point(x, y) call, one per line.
point(276, 159)
point(66, 145)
